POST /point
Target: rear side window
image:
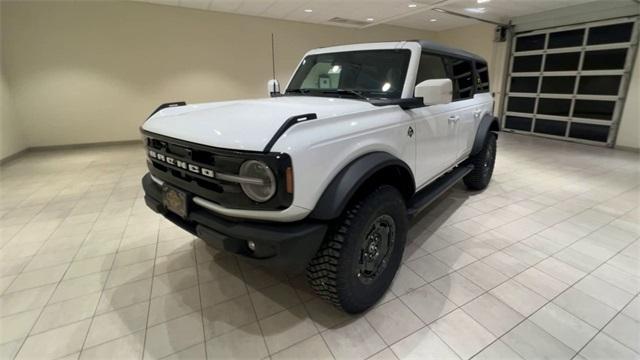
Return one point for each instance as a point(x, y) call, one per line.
point(431, 67)
point(482, 77)
point(462, 78)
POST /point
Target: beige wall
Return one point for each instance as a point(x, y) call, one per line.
point(11, 137)
point(629, 129)
point(83, 72)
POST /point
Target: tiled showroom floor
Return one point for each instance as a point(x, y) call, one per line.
point(543, 264)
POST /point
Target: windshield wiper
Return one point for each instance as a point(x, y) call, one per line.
point(346, 92)
point(297, 91)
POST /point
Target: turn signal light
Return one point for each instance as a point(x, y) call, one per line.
point(289, 179)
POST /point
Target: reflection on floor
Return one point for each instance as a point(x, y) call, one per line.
point(542, 264)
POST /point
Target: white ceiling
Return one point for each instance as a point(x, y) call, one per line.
point(395, 12)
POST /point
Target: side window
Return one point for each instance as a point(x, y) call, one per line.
point(482, 77)
point(431, 67)
point(462, 77)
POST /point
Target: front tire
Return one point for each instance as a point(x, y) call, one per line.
point(483, 163)
point(360, 256)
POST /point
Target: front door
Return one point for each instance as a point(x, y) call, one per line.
point(436, 144)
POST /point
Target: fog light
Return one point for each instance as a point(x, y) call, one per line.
point(251, 245)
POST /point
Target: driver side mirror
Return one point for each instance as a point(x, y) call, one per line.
point(435, 91)
point(273, 87)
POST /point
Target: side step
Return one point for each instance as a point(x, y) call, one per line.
point(430, 193)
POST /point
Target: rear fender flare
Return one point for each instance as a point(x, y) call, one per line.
point(488, 123)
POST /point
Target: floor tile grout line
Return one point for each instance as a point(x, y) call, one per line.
point(253, 307)
point(51, 296)
point(202, 316)
point(146, 327)
point(315, 324)
point(604, 326)
point(106, 280)
point(551, 301)
point(512, 277)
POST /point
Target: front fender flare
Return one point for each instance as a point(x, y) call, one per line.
point(344, 185)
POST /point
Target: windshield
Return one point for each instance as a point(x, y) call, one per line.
point(358, 74)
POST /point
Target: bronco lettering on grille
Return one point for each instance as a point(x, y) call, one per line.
point(182, 164)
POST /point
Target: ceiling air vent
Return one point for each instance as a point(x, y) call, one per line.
point(347, 22)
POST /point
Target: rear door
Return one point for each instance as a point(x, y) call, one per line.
point(464, 106)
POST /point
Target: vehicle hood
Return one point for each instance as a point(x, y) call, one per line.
point(245, 124)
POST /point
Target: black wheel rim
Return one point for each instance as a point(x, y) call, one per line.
point(376, 249)
point(487, 165)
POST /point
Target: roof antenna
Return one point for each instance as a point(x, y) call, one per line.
point(273, 58)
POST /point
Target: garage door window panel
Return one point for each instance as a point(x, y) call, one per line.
point(609, 34)
point(558, 85)
point(529, 43)
point(613, 59)
point(568, 38)
point(594, 109)
point(562, 62)
point(521, 104)
point(599, 85)
point(551, 127)
point(528, 63)
point(518, 123)
point(590, 132)
point(555, 107)
point(525, 84)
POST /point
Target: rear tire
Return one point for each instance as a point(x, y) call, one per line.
point(360, 256)
point(483, 163)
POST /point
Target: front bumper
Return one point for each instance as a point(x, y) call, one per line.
point(285, 246)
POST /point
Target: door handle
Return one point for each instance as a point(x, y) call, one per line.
point(454, 119)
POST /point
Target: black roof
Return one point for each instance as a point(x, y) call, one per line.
point(439, 49)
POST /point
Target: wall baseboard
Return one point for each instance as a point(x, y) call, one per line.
point(13, 156)
point(24, 152)
point(84, 145)
point(627, 148)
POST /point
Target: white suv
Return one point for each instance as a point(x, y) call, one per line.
point(326, 175)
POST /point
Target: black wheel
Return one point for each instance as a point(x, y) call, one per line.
point(361, 254)
point(483, 162)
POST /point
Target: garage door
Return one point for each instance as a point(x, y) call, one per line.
point(570, 82)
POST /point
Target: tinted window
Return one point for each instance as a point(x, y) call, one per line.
point(521, 104)
point(524, 84)
point(527, 63)
point(604, 59)
point(599, 85)
point(431, 67)
point(565, 39)
point(375, 73)
point(562, 62)
point(462, 77)
point(528, 43)
point(558, 84)
point(594, 109)
point(610, 34)
point(550, 127)
point(482, 77)
point(589, 132)
point(557, 107)
point(518, 123)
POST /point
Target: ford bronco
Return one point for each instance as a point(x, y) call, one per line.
point(326, 175)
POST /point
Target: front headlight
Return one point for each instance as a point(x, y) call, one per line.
point(258, 170)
